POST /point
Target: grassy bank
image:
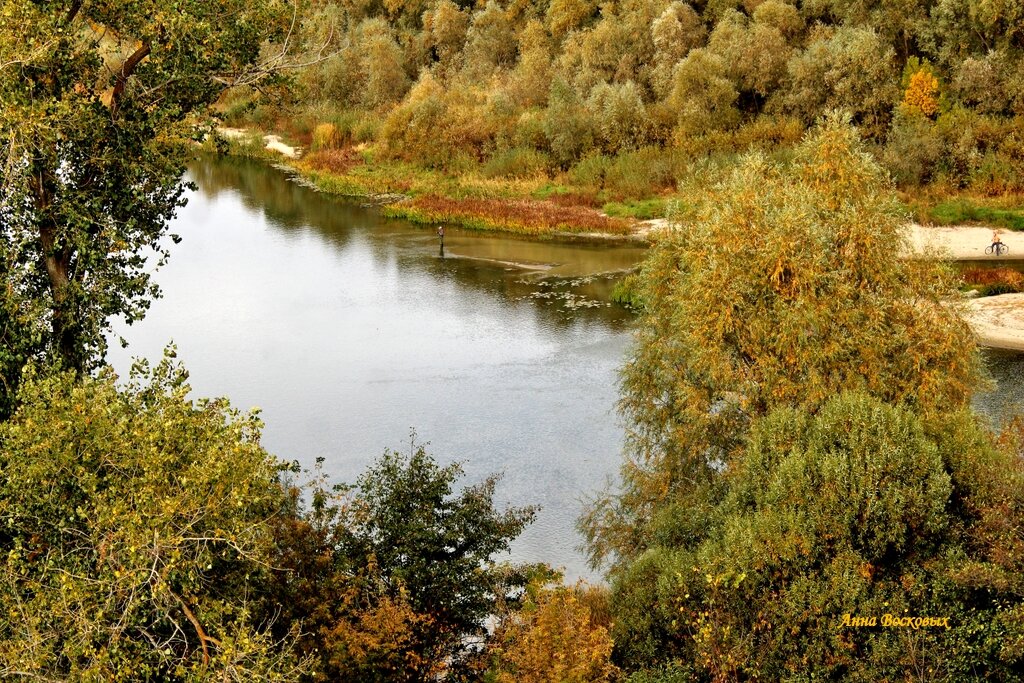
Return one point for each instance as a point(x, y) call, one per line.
point(955, 208)
point(474, 198)
point(516, 192)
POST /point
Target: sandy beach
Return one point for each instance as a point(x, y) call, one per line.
point(998, 320)
point(962, 242)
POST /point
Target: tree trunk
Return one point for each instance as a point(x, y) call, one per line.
point(56, 261)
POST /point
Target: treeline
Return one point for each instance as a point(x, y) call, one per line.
point(628, 94)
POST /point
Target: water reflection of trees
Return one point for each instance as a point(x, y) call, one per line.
point(290, 207)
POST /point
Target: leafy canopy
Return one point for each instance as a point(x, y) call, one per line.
point(860, 510)
point(98, 100)
point(133, 529)
point(779, 286)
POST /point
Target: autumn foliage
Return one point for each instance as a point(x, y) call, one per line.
point(555, 638)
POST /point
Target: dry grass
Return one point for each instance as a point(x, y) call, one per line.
point(583, 198)
point(519, 215)
point(332, 160)
point(991, 281)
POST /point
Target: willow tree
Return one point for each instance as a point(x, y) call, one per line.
point(780, 287)
point(97, 101)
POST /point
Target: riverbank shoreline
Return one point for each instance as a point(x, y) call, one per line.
point(998, 321)
point(483, 204)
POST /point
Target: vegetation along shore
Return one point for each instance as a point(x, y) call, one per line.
point(806, 491)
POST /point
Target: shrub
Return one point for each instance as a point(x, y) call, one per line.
point(642, 173)
point(913, 148)
point(849, 69)
point(325, 136)
point(994, 276)
point(590, 171)
point(861, 509)
point(568, 125)
point(702, 96)
point(394, 579)
point(135, 534)
point(555, 637)
point(518, 162)
point(619, 114)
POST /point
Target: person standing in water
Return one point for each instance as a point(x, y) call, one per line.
point(440, 235)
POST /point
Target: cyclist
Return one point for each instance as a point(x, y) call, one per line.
point(997, 242)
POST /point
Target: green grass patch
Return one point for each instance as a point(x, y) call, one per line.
point(965, 211)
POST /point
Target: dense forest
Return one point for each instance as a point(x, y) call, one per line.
point(806, 493)
point(625, 96)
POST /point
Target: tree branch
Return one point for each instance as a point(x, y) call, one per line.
point(203, 638)
point(73, 12)
point(126, 71)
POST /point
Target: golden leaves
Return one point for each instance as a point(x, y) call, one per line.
point(922, 93)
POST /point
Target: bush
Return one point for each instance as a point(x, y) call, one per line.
point(590, 171)
point(518, 162)
point(991, 281)
point(861, 510)
point(394, 579)
point(325, 136)
point(913, 149)
point(568, 126)
point(642, 173)
point(555, 637)
point(135, 534)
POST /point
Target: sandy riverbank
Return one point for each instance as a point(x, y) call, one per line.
point(998, 320)
point(271, 142)
point(963, 242)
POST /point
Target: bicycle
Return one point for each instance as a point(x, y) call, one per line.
point(998, 249)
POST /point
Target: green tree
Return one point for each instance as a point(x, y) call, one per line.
point(801, 446)
point(780, 287)
point(859, 510)
point(134, 533)
point(445, 26)
point(491, 42)
point(568, 126)
point(678, 30)
point(849, 68)
point(755, 54)
point(394, 579)
point(702, 95)
point(98, 99)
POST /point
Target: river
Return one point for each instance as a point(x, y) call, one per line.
point(349, 330)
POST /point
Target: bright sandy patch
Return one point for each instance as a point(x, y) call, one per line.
point(963, 242)
point(998, 320)
point(271, 142)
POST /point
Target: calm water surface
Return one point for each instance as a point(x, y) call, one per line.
point(348, 330)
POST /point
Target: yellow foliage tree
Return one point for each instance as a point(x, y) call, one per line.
point(922, 93)
point(555, 638)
